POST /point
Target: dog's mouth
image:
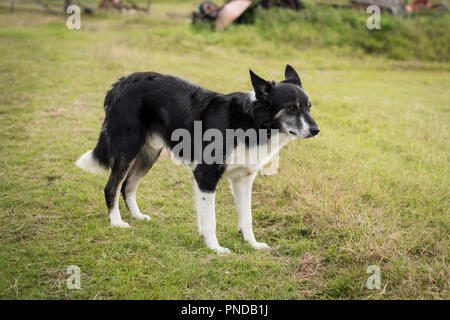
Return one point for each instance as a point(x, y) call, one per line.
point(297, 135)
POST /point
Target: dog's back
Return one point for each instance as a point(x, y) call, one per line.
point(142, 103)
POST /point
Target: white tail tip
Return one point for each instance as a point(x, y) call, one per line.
point(88, 163)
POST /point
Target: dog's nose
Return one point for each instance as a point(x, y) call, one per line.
point(314, 130)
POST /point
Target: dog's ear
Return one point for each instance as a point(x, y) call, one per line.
point(261, 86)
point(292, 76)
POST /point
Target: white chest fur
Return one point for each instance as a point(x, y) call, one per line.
point(244, 160)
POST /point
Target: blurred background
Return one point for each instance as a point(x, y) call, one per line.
point(410, 28)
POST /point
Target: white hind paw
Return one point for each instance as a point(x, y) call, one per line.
point(120, 224)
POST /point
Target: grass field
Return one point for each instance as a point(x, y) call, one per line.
point(373, 189)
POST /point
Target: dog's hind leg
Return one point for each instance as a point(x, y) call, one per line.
point(119, 172)
point(144, 161)
point(241, 188)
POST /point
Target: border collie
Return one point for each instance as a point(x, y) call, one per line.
point(144, 110)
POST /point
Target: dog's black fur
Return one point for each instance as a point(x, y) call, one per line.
point(145, 103)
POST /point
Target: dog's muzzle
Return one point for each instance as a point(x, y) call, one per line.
point(314, 130)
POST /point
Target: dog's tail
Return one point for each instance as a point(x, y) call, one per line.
point(96, 160)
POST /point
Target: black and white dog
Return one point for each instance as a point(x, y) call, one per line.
point(143, 112)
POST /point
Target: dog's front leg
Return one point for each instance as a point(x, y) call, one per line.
point(242, 193)
point(206, 218)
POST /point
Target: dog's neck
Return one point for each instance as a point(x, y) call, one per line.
point(262, 118)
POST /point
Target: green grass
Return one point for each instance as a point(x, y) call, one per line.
point(371, 190)
point(422, 35)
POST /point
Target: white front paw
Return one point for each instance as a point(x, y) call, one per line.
point(217, 248)
point(221, 250)
point(259, 245)
point(142, 217)
point(120, 224)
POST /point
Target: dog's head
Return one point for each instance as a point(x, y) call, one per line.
point(288, 104)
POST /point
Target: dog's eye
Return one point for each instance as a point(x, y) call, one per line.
point(293, 107)
point(309, 105)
